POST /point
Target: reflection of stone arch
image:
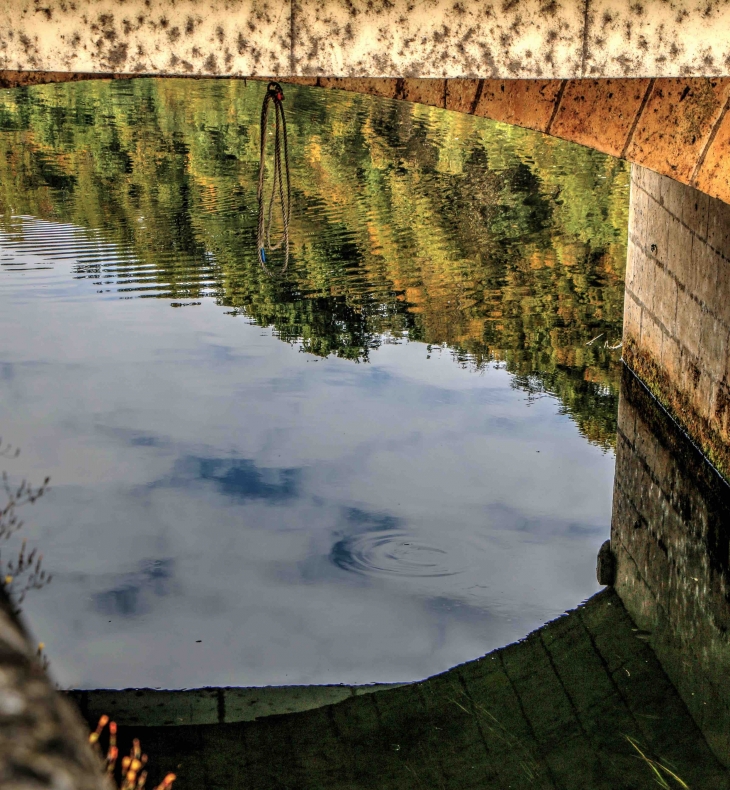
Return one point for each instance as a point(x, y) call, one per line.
point(552, 710)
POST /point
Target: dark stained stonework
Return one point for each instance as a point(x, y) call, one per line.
point(552, 711)
point(677, 305)
point(670, 533)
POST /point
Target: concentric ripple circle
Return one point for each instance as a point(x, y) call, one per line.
point(393, 553)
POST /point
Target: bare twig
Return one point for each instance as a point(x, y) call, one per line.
point(25, 572)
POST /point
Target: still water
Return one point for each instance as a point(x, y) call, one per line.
point(393, 459)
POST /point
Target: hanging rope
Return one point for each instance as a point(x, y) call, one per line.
point(274, 94)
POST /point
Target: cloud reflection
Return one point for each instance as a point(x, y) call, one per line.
point(240, 479)
point(132, 593)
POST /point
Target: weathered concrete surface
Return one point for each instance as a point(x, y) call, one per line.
point(380, 38)
point(677, 307)
point(152, 708)
point(670, 536)
point(552, 711)
point(43, 742)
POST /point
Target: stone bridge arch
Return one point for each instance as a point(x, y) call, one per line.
point(644, 81)
point(647, 81)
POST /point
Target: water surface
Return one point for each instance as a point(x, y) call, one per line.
point(419, 473)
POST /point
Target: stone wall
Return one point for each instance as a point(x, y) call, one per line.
point(43, 742)
point(670, 536)
point(677, 308)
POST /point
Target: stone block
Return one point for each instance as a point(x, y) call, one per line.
point(679, 249)
point(633, 189)
point(702, 273)
point(689, 374)
point(371, 688)
point(637, 176)
point(626, 420)
point(518, 658)
point(672, 195)
point(645, 447)
point(651, 336)
point(645, 284)
point(372, 86)
point(248, 704)
point(498, 710)
point(639, 209)
point(599, 113)
point(463, 765)
point(703, 392)
point(676, 124)
point(689, 325)
point(720, 405)
point(712, 174)
point(544, 701)
point(714, 346)
point(653, 184)
point(398, 711)
point(461, 95)
point(695, 209)
point(356, 718)
point(665, 300)
point(651, 39)
point(152, 708)
point(562, 628)
point(721, 301)
point(580, 669)
point(575, 764)
point(632, 253)
point(428, 91)
point(718, 226)
point(657, 230)
point(240, 38)
point(528, 103)
point(671, 356)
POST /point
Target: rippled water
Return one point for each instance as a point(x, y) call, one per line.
point(419, 473)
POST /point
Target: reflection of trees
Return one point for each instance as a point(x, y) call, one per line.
point(498, 243)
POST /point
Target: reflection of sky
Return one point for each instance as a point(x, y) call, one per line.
point(308, 520)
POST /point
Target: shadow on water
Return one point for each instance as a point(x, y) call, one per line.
point(629, 690)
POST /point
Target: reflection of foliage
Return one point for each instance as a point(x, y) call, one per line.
point(24, 573)
point(496, 242)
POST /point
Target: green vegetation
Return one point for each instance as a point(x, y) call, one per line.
point(408, 222)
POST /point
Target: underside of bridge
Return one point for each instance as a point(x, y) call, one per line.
point(648, 82)
point(640, 81)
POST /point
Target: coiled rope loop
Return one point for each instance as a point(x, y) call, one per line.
point(274, 94)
